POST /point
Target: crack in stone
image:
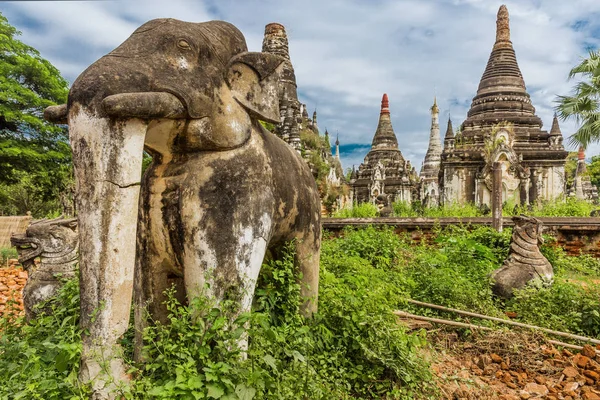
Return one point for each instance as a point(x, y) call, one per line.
point(124, 186)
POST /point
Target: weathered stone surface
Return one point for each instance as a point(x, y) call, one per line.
point(56, 243)
point(525, 262)
point(502, 99)
point(214, 199)
point(384, 170)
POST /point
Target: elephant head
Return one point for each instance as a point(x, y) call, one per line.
point(172, 87)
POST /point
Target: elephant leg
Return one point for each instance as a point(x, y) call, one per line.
point(307, 263)
point(107, 159)
point(157, 267)
point(222, 261)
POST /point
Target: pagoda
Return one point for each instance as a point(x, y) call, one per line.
point(431, 165)
point(501, 126)
point(384, 171)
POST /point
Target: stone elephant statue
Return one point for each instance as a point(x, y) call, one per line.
point(219, 193)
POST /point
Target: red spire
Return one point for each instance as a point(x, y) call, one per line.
point(581, 155)
point(385, 104)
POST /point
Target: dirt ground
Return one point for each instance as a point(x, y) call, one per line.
point(511, 365)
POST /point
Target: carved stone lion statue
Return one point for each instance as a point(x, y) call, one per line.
point(525, 263)
point(56, 244)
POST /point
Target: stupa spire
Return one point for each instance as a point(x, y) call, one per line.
point(385, 104)
point(502, 89)
point(555, 130)
point(434, 107)
point(275, 40)
point(502, 25)
point(449, 130)
point(384, 136)
point(431, 165)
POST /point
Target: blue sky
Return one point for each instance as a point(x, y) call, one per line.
point(347, 53)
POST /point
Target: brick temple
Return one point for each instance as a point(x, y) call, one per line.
point(384, 171)
point(502, 126)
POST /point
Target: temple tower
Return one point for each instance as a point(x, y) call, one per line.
point(449, 136)
point(275, 41)
point(431, 165)
point(502, 126)
point(384, 171)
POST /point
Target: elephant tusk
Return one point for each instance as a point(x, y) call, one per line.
point(144, 105)
point(56, 114)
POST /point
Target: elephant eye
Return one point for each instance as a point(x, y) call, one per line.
point(183, 44)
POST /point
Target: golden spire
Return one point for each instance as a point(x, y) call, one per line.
point(434, 107)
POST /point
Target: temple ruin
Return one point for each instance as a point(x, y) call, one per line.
point(293, 114)
point(384, 170)
point(502, 126)
point(300, 131)
point(429, 185)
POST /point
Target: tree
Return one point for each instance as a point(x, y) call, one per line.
point(34, 154)
point(593, 170)
point(584, 103)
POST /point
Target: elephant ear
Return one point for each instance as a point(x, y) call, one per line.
point(254, 82)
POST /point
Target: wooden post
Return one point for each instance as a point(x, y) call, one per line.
point(497, 196)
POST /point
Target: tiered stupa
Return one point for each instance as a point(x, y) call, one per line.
point(431, 165)
point(502, 126)
point(275, 41)
point(384, 170)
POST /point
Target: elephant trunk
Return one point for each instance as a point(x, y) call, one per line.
point(107, 156)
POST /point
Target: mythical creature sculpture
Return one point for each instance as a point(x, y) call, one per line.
point(383, 205)
point(220, 191)
point(56, 243)
point(525, 263)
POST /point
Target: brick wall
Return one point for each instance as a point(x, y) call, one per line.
point(12, 281)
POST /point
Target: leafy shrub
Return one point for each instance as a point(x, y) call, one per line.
point(569, 207)
point(362, 210)
point(40, 360)
point(453, 210)
point(456, 273)
point(564, 306)
point(6, 254)
point(560, 207)
point(405, 209)
point(353, 348)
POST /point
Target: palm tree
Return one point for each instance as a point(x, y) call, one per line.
point(584, 103)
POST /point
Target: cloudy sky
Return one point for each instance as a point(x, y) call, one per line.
point(347, 53)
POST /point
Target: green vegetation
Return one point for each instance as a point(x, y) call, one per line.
point(7, 253)
point(583, 104)
point(569, 207)
point(352, 348)
point(35, 158)
point(362, 210)
point(403, 209)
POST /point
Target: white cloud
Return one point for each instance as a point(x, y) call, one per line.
point(347, 53)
